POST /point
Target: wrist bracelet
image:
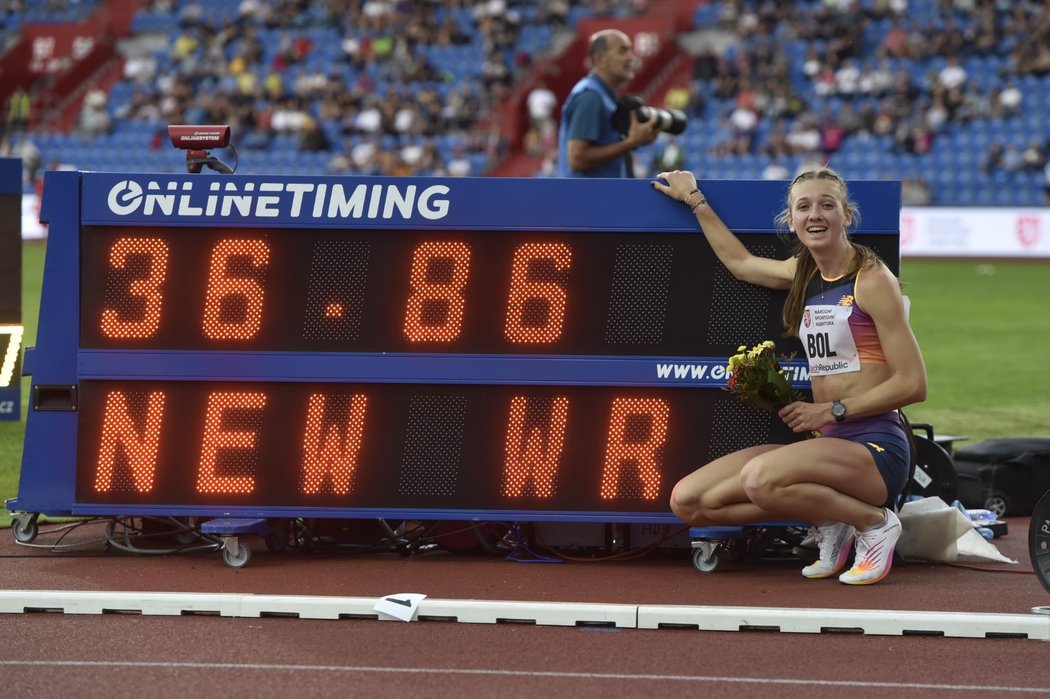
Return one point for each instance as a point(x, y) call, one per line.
point(686, 200)
point(700, 201)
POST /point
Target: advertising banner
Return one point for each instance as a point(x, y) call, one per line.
point(975, 232)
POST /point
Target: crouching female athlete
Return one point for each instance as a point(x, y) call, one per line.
point(846, 481)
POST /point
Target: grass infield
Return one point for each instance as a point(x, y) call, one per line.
point(981, 325)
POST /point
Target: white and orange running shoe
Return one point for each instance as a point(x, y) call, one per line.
point(834, 541)
point(874, 552)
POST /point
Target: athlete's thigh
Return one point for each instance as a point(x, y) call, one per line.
point(721, 477)
point(845, 466)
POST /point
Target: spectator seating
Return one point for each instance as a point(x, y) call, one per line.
point(953, 166)
point(455, 69)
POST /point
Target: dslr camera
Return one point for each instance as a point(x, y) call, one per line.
point(671, 121)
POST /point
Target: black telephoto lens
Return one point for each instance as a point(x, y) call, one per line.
point(671, 121)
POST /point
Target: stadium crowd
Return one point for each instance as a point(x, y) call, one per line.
point(377, 105)
point(862, 72)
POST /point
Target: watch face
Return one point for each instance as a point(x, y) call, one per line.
point(838, 410)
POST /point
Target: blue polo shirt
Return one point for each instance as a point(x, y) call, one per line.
point(587, 116)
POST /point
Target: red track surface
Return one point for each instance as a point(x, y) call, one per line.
point(134, 656)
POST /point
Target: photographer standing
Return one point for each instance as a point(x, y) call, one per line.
point(588, 143)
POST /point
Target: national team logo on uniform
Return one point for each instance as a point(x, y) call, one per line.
point(807, 319)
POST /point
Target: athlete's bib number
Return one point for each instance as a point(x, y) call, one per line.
point(828, 341)
point(818, 345)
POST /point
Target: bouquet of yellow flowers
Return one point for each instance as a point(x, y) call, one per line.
point(756, 377)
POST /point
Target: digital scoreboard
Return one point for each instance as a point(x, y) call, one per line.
point(433, 348)
point(10, 288)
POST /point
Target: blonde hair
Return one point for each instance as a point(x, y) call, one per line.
point(805, 267)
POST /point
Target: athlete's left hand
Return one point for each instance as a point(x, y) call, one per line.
point(805, 417)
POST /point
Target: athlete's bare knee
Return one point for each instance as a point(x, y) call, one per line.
point(684, 504)
point(757, 481)
point(697, 508)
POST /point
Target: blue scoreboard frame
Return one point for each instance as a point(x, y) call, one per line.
point(426, 348)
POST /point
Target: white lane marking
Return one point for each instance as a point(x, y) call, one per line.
point(254, 667)
point(702, 618)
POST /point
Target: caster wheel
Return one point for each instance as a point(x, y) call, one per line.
point(706, 561)
point(24, 527)
point(238, 559)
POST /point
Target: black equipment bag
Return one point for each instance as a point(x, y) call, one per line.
point(932, 471)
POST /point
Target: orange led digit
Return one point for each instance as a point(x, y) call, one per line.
point(217, 440)
point(9, 356)
point(147, 289)
point(536, 309)
point(234, 303)
point(533, 452)
point(637, 433)
point(330, 459)
point(120, 431)
point(434, 312)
